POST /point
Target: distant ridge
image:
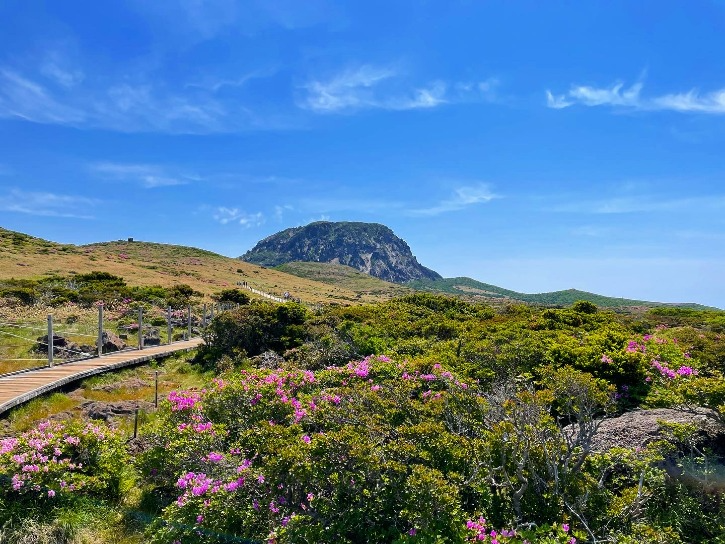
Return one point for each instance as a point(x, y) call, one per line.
point(147, 263)
point(368, 247)
point(471, 287)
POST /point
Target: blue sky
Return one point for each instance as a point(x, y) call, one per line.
point(536, 146)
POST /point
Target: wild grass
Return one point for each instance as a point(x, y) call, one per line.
point(341, 277)
point(87, 522)
point(28, 415)
point(31, 531)
point(145, 264)
point(21, 326)
point(130, 384)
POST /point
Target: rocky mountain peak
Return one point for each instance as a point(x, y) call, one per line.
point(369, 247)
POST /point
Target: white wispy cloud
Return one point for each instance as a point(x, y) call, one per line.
point(24, 98)
point(351, 89)
point(557, 102)
point(47, 204)
point(462, 198)
point(618, 95)
point(149, 176)
point(214, 84)
point(57, 68)
point(226, 215)
point(51, 95)
point(279, 212)
point(376, 87)
point(713, 102)
point(592, 231)
point(643, 203)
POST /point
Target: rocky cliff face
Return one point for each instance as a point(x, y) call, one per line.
point(369, 247)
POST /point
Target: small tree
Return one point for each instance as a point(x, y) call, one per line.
point(584, 307)
point(235, 296)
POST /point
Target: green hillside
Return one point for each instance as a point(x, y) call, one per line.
point(474, 288)
point(344, 276)
point(25, 257)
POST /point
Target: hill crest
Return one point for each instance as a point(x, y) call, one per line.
point(371, 248)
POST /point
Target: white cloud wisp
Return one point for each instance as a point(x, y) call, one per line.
point(463, 197)
point(226, 215)
point(618, 95)
point(371, 87)
point(148, 176)
point(64, 97)
point(47, 204)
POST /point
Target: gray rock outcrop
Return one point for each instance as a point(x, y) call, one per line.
point(369, 247)
point(638, 428)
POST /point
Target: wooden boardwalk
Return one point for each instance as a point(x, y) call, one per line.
point(24, 386)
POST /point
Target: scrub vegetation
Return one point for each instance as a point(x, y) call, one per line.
point(421, 419)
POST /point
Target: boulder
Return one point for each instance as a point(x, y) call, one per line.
point(130, 383)
point(63, 348)
point(112, 342)
point(152, 337)
point(58, 342)
point(108, 410)
point(268, 359)
point(638, 428)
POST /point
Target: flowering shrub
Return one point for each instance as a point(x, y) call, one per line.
point(372, 451)
point(54, 461)
point(478, 428)
point(479, 531)
point(314, 456)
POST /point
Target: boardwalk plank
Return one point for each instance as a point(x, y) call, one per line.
point(22, 387)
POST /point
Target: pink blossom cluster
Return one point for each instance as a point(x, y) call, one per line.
point(45, 458)
point(196, 427)
point(183, 400)
point(288, 388)
point(667, 372)
point(481, 533)
point(634, 346)
point(198, 488)
point(361, 369)
point(285, 397)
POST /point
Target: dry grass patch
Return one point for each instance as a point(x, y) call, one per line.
point(145, 264)
point(27, 416)
point(129, 384)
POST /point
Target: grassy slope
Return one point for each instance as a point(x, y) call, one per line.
point(144, 263)
point(471, 287)
point(345, 277)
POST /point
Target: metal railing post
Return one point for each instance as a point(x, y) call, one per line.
point(140, 328)
point(50, 339)
point(100, 329)
point(189, 313)
point(169, 328)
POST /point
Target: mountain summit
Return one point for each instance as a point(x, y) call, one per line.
point(370, 247)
